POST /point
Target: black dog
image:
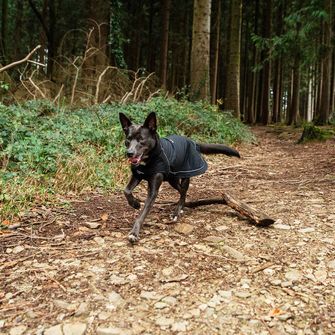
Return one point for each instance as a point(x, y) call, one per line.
point(173, 159)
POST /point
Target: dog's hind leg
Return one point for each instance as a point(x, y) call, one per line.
point(181, 185)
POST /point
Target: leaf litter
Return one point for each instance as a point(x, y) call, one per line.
point(72, 270)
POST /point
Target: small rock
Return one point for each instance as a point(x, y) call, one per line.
point(214, 239)
point(111, 331)
point(160, 305)
point(117, 280)
point(17, 249)
point(2, 323)
point(162, 321)
point(226, 294)
point(103, 316)
point(64, 305)
point(168, 271)
point(18, 330)
point(281, 226)
point(77, 328)
point(184, 228)
point(92, 225)
point(284, 317)
point(242, 294)
point(306, 230)
point(170, 300)
point(293, 275)
point(276, 282)
point(321, 275)
point(132, 277)
point(99, 240)
point(331, 264)
point(116, 299)
point(83, 309)
point(180, 326)
point(234, 253)
point(150, 295)
point(203, 307)
point(55, 330)
point(214, 301)
point(221, 228)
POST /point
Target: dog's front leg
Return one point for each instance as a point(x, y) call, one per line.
point(154, 184)
point(132, 201)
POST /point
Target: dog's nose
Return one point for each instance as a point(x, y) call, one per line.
point(130, 153)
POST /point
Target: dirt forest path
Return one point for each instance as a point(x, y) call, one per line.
point(71, 270)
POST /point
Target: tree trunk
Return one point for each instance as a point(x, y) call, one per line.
point(165, 41)
point(326, 67)
point(232, 101)
point(216, 10)
point(266, 79)
point(200, 53)
point(294, 110)
point(4, 22)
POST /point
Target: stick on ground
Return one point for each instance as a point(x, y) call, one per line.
point(256, 217)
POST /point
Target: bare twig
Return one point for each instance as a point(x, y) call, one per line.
point(99, 82)
point(25, 59)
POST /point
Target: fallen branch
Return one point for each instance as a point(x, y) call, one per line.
point(256, 217)
point(25, 59)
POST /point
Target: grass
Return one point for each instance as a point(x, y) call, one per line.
point(46, 151)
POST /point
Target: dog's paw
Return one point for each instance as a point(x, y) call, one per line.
point(133, 238)
point(135, 204)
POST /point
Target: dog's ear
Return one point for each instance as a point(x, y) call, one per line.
point(151, 122)
point(125, 122)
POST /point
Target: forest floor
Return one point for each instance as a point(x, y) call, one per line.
point(72, 271)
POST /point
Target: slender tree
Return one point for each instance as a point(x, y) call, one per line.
point(200, 53)
point(165, 41)
point(232, 97)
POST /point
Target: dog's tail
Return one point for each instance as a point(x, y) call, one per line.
point(209, 149)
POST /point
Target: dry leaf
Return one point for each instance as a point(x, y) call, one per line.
point(104, 217)
point(276, 311)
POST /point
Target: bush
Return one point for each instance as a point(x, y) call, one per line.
point(51, 150)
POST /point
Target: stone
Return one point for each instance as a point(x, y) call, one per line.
point(18, 330)
point(76, 328)
point(320, 275)
point(18, 249)
point(281, 226)
point(111, 331)
point(54, 330)
point(242, 294)
point(306, 230)
point(150, 295)
point(117, 280)
point(226, 294)
point(170, 300)
point(235, 253)
point(83, 309)
point(214, 239)
point(160, 305)
point(293, 275)
point(180, 326)
point(116, 299)
point(331, 264)
point(92, 225)
point(163, 321)
point(184, 228)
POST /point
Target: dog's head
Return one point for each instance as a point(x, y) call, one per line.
point(140, 139)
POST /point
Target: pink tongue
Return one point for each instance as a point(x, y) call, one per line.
point(134, 160)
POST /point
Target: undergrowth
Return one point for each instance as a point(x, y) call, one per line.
point(45, 150)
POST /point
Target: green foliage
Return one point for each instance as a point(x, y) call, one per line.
point(314, 133)
point(44, 150)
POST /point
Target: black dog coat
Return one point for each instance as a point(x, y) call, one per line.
point(176, 156)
